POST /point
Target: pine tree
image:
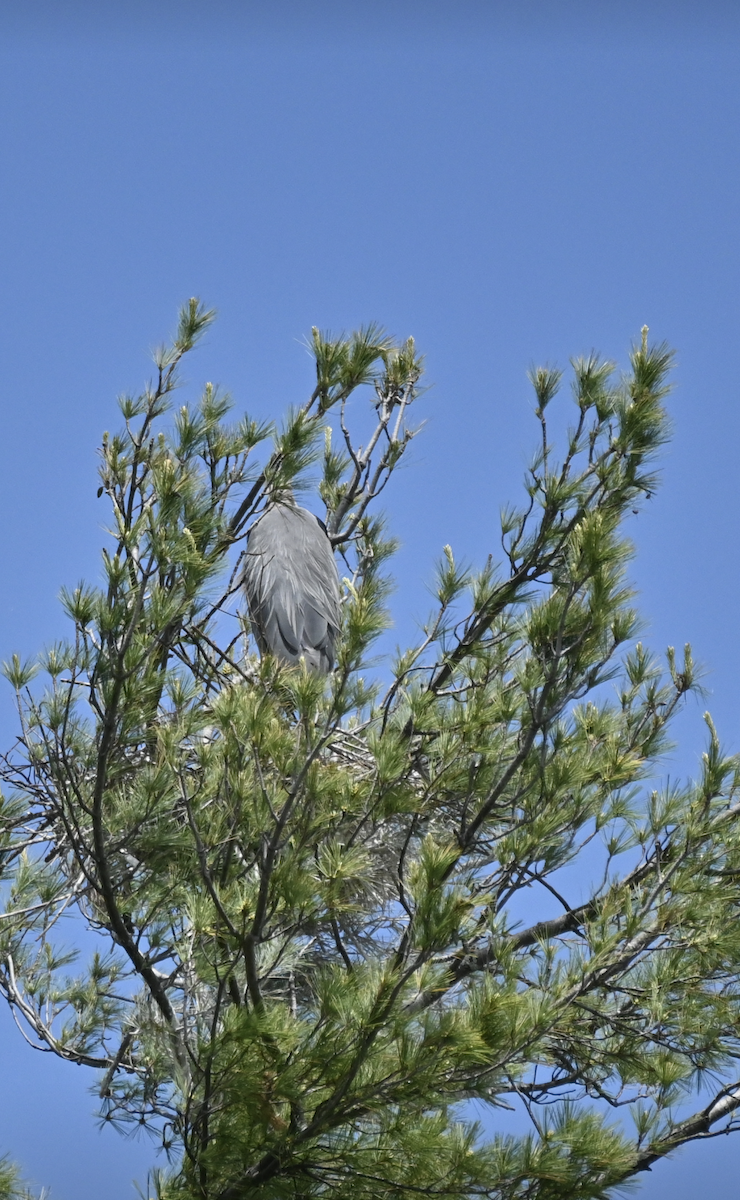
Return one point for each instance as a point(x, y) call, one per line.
point(304, 890)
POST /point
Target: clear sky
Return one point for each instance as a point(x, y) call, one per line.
point(512, 183)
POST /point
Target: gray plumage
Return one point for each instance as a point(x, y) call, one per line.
point(292, 587)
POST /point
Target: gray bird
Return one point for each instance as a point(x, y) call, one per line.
point(292, 587)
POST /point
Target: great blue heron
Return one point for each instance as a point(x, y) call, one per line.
point(292, 587)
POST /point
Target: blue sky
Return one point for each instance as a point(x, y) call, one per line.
point(512, 183)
